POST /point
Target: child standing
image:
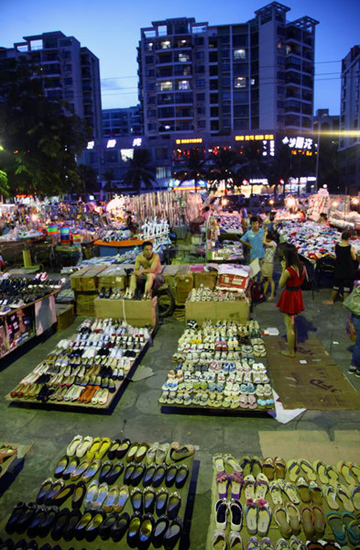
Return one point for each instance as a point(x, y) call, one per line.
point(267, 266)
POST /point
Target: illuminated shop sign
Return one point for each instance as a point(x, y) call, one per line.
point(187, 141)
point(298, 142)
point(90, 145)
point(254, 137)
point(111, 143)
point(137, 142)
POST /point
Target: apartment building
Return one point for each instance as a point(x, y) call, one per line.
point(70, 72)
point(225, 79)
point(349, 143)
point(121, 122)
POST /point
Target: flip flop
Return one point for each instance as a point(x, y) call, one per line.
point(334, 519)
point(293, 518)
point(218, 462)
point(281, 519)
point(330, 494)
point(308, 469)
point(355, 495)
point(355, 470)
point(251, 513)
point(303, 489)
point(263, 518)
point(307, 519)
point(344, 469)
point(293, 468)
point(268, 467)
point(275, 493)
point(222, 484)
point(262, 486)
point(321, 469)
point(315, 493)
point(345, 498)
point(236, 480)
point(333, 475)
point(280, 467)
point(319, 521)
point(230, 461)
point(290, 492)
point(246, 465)
point(249, 485)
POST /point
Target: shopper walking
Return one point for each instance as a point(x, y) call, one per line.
point(253, 239)
point(344, 272)
point(267, 268)
point(291, 300)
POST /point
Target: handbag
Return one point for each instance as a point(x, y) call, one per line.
point(352, 302)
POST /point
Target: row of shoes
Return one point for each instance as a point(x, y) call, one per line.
point(38, 520)
point(216, 400)
point(113, 327)
point(207, 295)
point(16, 292)
point(211, 330)
point(219, 542)
point(326, 473)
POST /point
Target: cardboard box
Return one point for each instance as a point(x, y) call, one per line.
point(85, 303)
point(137, 313)
point(86, 280)
point(230, 281)
point(233, 311)
point(184, 283)
point(113, 277)
point(65, 315)
point(206, 279)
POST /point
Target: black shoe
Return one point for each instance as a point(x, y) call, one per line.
point(123, 449)
point(102, 292)
point(72, 465)
point(173, 534)
point(44, 490)
point(18, 510)
point(171, 474)
point(181, 476)
point(357, 374)
point(133, 530)
point(130, 469)
point(161, 501)
point(160, 528)
point(120, 527)
point(26, 517)
point(105, 471)
point(149, 500)
point(21, 545)
point(78, 495)
point(116, 472)
point(60, 524)
point(146, 531)
point(81, 526)
point(92, 528)
point(69, 529)
point(158, 476)
point(173, 505)
point(107, 525)
point(7, 544)
point(61, 466)
point(149, 474)
point(108, 293)
point(63, 495)
point(137, 500)
point(111, 386)
point(137, 474)
point(46, 526)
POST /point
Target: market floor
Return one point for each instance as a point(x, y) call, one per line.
point(138, 415)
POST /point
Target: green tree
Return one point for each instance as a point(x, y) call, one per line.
point(88, 179)
point(40, 141)
point(140, 171)
point(223, 168)
point(4, 184)
point(194, 168)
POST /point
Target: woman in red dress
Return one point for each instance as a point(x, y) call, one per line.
point(291, 301)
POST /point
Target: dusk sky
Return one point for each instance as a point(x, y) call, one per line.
point(111, 30)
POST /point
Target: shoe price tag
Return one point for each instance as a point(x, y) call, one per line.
point(303, 361)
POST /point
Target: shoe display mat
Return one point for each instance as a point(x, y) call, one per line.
point(273, 533)
point(311, 379)
point(109, 543)
point(215, 411)
point(114, 397)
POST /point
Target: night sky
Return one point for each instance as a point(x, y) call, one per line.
point(111, 30)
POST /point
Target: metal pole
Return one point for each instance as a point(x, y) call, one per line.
point(317, 158)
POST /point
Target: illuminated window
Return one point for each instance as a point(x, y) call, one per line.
point(240, 82)
point(239, 54)
point(166, 86)
point(165, 44)
point(111, 143)
point(90, 145)
point(184, 85)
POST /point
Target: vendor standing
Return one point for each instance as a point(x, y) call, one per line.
point(253, 239)
point(147, 269)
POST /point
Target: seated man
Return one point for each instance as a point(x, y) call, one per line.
point(148, 269)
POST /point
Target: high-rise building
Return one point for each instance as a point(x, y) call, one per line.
point(224, 79)
point(349, 143)
point(70, 72)
point(121, 122)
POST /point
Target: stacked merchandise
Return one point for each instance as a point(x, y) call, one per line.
point(279, 505)
point(230, 223)
point(88, 370)
point(104, 492)
point(312, 240)
point(16, 292)
point(218, 366)
point(203, 294)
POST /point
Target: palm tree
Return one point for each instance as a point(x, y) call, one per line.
point(140, 171)
point(224, 165)
point(194, 169)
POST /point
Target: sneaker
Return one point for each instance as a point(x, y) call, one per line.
point(352, 369)
point(357, 373)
